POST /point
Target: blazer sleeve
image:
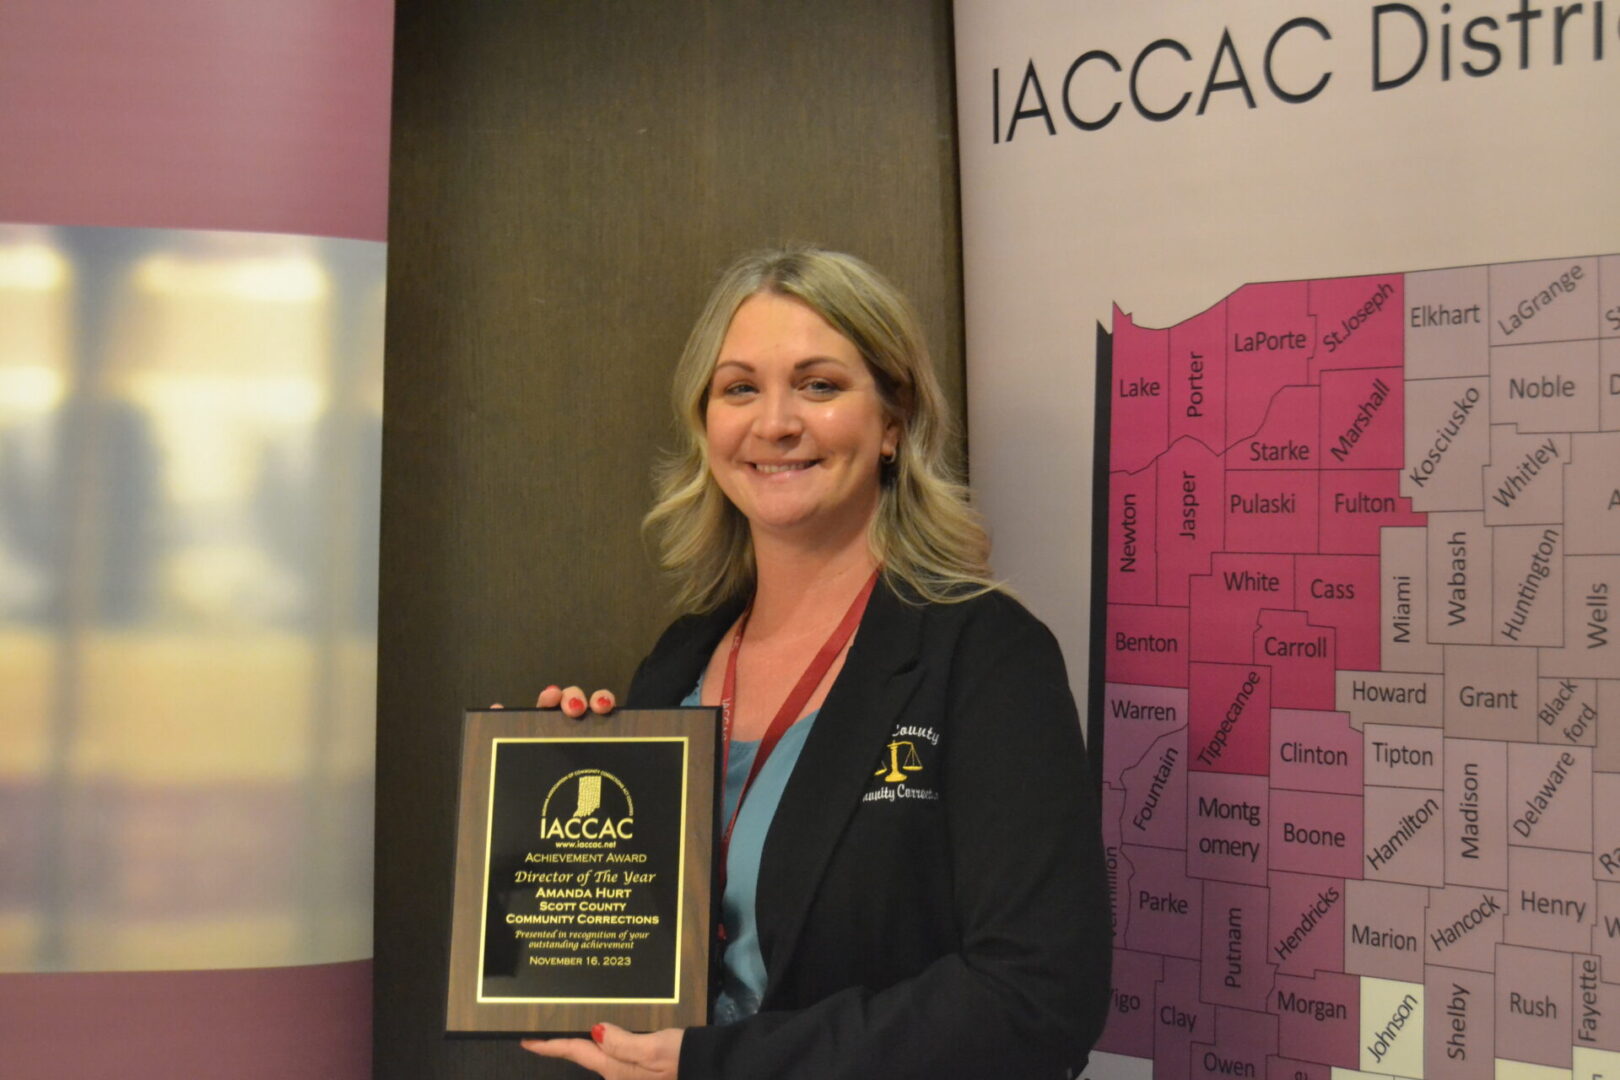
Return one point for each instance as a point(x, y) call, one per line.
point(1026, 992)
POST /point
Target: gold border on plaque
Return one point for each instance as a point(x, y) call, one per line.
point(680, 881)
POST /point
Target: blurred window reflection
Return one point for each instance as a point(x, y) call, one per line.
point(189, 472)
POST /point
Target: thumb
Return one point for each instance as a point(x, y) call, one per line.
point(618, 1044)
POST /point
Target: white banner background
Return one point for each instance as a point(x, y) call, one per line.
point(1168, 217)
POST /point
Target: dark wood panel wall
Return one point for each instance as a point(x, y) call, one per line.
point(568, 179)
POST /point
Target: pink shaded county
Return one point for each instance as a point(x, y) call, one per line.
point(1146, 644)
point(1287, 439)
point(1552, 901)
point(1134, 718)
point(1229, 707)
point(1129, 1027)
point(1235, 970)
point(1155, 810)
point(1132, 562)
point(1301, 656)
point(1359, 320)
point(1341, 591)
point(1606, 936)
point(1606, 829)
point(1383, 924)
point(1363, 419)
point(1241, 1043)
point(1459, 1035)
point(1550, 796)
point(1533, 1002)
point(1163, 905)
point(1315, 751)
point(1139, 393)
point(1198, 378)
point(1226, 827)
point(1356, 504)
point(1119, 871)
point(1282, 1068)
point(1307, 923)
point(1404, 831)
point(1314, 833)
point(1192, 526)
point(1463, 927)
point(1269, 340)
point(1275, 512)
point(1229, 599)
point(1317, 1017)
point(1180, 1015)
point(1598, 1005)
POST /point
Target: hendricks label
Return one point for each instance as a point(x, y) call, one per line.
point(1308, 920)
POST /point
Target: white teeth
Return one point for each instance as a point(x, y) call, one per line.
point(792, 466)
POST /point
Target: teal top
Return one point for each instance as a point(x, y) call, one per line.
point(742, 966)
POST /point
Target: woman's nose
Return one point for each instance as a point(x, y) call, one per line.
point(779, 416)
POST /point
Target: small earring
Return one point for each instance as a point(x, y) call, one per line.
point(890, 457)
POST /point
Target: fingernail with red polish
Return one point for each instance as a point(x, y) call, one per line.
point(604, 702)
point(596, 1034)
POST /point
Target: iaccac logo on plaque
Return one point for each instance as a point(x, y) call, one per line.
point(591, 824)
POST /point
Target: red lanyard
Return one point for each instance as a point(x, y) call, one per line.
point(789, 712)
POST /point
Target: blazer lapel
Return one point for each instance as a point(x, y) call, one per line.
point(669, 674)
point(871, 691)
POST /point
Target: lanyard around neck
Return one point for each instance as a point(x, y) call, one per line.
point(796, 699)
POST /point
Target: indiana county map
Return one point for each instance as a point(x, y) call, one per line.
point(1362, 708)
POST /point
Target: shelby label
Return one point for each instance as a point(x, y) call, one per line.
point(584, 870)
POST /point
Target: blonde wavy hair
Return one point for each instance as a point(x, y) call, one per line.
point(924, 534)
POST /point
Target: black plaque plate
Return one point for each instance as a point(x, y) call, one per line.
point(584, 871)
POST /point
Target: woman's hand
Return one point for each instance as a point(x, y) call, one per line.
point(572, 701)
point(617, 1054)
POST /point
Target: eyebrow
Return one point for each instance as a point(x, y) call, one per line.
point(800, 366)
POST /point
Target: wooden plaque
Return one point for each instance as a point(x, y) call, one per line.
point(584, 877)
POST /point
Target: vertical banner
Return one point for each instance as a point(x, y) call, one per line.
point(1339, 287)
point(193, 199)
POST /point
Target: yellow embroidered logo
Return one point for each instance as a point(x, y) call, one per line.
point(901, 770)
point(895, 770)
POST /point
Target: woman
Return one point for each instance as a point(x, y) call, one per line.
point(914, 884)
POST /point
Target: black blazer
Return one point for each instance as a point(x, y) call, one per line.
point(955, 923)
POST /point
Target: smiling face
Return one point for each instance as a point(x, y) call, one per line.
point(795, 424)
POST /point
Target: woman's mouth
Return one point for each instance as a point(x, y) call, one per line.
point(782, 467)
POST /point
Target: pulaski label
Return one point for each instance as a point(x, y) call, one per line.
point(583, 876)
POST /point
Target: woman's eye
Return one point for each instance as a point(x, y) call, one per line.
point(737, 389)
point(821, 387)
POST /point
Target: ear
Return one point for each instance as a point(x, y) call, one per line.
point(891, 437)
